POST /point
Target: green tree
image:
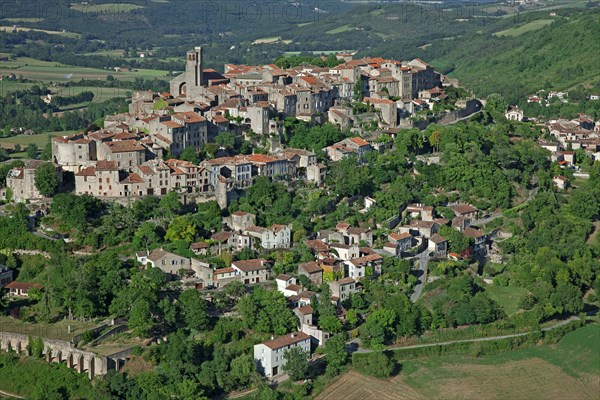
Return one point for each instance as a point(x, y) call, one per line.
point(226, 140)
point(145, 236)
point(193, 308)
point(330, 323)
point(335, 353)
point(243, 370)
point(183, 228)
point(190, 154)
point(357, 90)
point(32, 151)
point(140, 317)
point(170, 205)
point(296, 363)
point(46, 179)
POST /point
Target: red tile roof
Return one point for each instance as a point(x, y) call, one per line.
point(311, 267)
point(89, 171)
point(463, 208)
point(359, 141)
point(250, 265)
point(287, 340)
point(107, 166)
point(23, 286)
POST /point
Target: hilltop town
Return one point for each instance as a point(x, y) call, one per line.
point(124, 159)
point(263, 224)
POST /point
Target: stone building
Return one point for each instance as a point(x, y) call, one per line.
point(21, 181)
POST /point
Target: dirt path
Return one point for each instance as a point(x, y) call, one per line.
point(10, 395)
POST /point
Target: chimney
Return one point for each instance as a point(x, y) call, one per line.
point(293, 335)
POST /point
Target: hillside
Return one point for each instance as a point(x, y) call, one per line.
point(559, 55)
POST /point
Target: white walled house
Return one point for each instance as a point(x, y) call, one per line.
point(287, 285)
point(270, 356)
point(275, 237)
point(252, 271)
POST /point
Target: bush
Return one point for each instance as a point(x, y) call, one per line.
point(378, 364)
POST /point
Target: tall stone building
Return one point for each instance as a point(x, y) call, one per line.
point(189, 83)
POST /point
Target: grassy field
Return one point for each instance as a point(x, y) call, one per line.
point(507, 296)
point(57, 330)
point(340, 29)
point(531, 26)
point(11, 29)
point(567, 370)
point(267, 40)
point(33, 69)
point(17, 20)
point(100, 93)
point(110, 53)
point(40, 140)
point(11, 86)
point(105, 8)
point(317, 52)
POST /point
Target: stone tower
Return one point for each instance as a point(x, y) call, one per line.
point(193, 68)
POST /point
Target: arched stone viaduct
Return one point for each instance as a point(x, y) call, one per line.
point(61, 351)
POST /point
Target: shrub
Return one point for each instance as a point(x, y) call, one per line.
point(378, 364)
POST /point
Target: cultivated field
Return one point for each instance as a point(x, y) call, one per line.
point(12, 86)
point(11, 29)
point(525, 379)
point(354, 386)
point(40, 140)
point(267, 40)
point(343, 28)
point(567, 370)
point(17, 20)
point(105, 8)
point(100, 93)
point(38, 70)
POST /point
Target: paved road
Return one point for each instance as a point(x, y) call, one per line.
point(423, 259)
point(481, 339)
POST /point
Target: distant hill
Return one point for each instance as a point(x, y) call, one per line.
point(558, 55)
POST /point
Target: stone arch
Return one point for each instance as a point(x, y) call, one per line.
point(182, 88)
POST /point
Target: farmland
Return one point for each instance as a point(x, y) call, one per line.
point(354, 386)
point(341, 29)
point(33, 69)
point(105, 8)
point(267, 40)
point(23, 140)
point(11, 29)
point(531, 26)
point(100, 93)
point(567, 370)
